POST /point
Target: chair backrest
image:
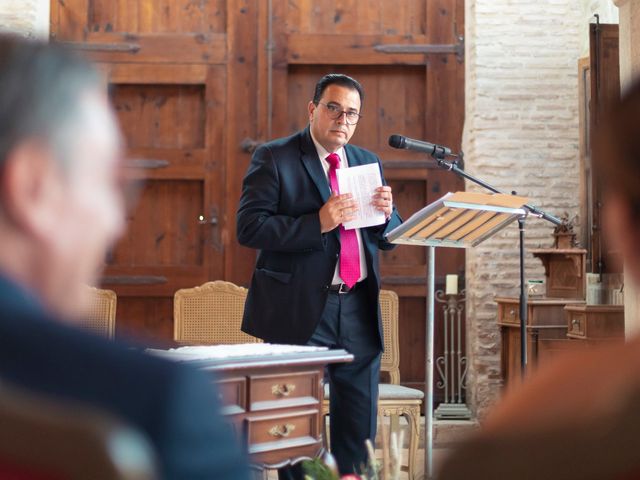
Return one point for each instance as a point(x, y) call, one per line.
point(210, 314)
point(46, 439)
point(100, 312)
point(390, 361)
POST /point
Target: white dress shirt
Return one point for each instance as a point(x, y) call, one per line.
point(323, 154)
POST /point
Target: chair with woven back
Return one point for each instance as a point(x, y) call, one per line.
point(46, 439)
point(210, 314)
point(394, 400)
point(100, 312)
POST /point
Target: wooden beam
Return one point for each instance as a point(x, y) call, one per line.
point(154, 48)
point(336, 49)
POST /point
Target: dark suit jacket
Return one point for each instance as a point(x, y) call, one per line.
point(172, 404)
point(283, 191)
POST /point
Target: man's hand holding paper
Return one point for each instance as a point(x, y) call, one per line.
point(374, 200)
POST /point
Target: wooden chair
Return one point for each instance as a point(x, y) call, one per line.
point(100, 315)
point(394, 400)
point(210, 314)
point(45, 439)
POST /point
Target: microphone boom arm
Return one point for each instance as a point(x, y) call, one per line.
point(533, 210)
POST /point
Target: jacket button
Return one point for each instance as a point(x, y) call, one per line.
point(326, 287)
point(337, 255)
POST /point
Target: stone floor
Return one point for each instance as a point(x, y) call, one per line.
point(446, 434)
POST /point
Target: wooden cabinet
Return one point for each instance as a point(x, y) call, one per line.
point(273, 401)
point(564, 271)
point(545, 321)
point(595, 323)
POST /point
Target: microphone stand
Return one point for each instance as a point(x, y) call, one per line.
point(532, 210)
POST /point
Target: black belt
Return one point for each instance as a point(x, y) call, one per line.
point(343, 288)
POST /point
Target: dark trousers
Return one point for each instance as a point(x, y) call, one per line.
point(349, 322)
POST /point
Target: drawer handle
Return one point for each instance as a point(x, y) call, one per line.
point(512, 313)
point(575, 322)
point(280, 431)
point(283, 390)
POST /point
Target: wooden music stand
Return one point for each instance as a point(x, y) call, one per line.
point(458, 220)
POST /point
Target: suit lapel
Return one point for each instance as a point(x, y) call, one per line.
point(314, 167)
point(354, 158)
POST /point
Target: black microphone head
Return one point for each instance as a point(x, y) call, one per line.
point(397, 141)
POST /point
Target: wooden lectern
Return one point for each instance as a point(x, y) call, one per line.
point(459, 220)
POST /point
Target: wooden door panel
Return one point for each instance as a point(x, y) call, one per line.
point(172, 117)
point(161, 116)
point(164, 230)
point(400, 17)
point(76, 18)
point(159, 16)
point(155, 31)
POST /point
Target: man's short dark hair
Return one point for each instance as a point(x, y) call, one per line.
point(337, 79)
point(40, 84)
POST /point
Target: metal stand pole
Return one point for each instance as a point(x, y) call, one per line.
point(428, 387)
point(523, 304)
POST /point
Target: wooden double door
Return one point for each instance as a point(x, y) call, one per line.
point(198, 83)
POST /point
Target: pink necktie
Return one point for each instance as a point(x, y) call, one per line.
point(349, 251)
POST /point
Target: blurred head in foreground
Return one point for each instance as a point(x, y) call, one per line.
point(60, 157)
point(578, 417)
point(616, 157)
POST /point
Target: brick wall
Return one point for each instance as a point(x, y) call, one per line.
point(521, 133)
point(26, 17)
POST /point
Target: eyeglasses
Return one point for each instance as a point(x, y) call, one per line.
point(335, 113)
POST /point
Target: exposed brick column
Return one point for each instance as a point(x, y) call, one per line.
point(26, 17)
point(521, 133)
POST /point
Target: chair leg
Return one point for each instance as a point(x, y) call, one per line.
point(413, 419)
point(259, 474)
point(394, 423)
point(325, 431)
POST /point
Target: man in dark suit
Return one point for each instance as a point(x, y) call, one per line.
point(315, 282)
point(60, 209)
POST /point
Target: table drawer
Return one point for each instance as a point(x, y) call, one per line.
point(267, 392)
point(232, 392)
point(275, 432)
point(509, 313)
point(577, 324)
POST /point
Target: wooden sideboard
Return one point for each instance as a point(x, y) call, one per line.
point(545, 321)
point(273, 401)
point(595, 323)
point(564, 270)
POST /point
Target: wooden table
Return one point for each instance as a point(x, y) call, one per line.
point(595, 323)
point(274, 401)
point(545, 321)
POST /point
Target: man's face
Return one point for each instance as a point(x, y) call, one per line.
point(90, 206)
point(333, 134)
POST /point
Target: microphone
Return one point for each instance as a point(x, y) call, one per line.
point(398, 141)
